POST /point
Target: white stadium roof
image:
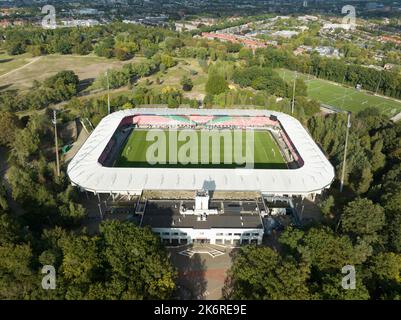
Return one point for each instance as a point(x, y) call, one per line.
point(85, 171)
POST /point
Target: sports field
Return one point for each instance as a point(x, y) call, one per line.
point(266, 153)
point(343, 98)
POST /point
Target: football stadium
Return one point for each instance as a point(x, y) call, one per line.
point(285, 159)
point(265, 157)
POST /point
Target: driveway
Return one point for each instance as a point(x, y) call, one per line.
point(201, 270)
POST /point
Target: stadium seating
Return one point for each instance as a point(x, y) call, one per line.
point(216, 121)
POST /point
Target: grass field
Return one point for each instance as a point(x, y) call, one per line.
point(23, 73)
point(266, 152)
point(344, 98)
point(9, 63)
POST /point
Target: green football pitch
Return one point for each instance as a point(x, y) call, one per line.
point(343, 98)
point(135, 152)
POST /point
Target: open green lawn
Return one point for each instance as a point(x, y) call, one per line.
point(23, 69)
point(266, 152)
point(344, 98)
point(9, 63)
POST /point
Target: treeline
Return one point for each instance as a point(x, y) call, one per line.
point(131, 72)
point(367, 145)
point(258, 86)
point(121, 262)
point(44, 197)
point(384, 82)
point(361, 226)
point(114, 40)
point(57, 88)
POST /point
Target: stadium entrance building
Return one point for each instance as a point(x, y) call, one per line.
point(200, 224)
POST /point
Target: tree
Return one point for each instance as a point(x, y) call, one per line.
point(330, 288)
point(261, 273)
point(122, 54)
point(301, 89)
point(17, 280)
point(323, 249)
point(9, 229)
point(378, 159)
point(9, 125)
point(216, 84)
point(139, 265)
point(385, 276)
point(327, 205)
point(81, 259)
point(25, 144)
point(105, 48)
point(186, 83)
point(167, 60)
point(363, 218)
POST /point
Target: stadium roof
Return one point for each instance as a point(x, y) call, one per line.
point(85, 171)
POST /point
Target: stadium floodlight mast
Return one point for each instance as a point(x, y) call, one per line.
point(293, 93)
point(108, 93)
point(56, 142)
point(345, 152)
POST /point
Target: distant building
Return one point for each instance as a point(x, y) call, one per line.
point(184, 26)
point(285, 33)
point(308, 18)
point(249, 43)
point(392, 67)
point(87, 11)
point(80, 23)
point(335, 26)
point(391, 39)
point(328, 52)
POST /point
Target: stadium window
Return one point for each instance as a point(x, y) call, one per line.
point(166, 233)
point(255, 234)
point(219, 234)
point(175, 234)
point(247, 234)
point(237, 234)
point(183, 233)
point(229, 234)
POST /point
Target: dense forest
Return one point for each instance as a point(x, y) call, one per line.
point(362, 225)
